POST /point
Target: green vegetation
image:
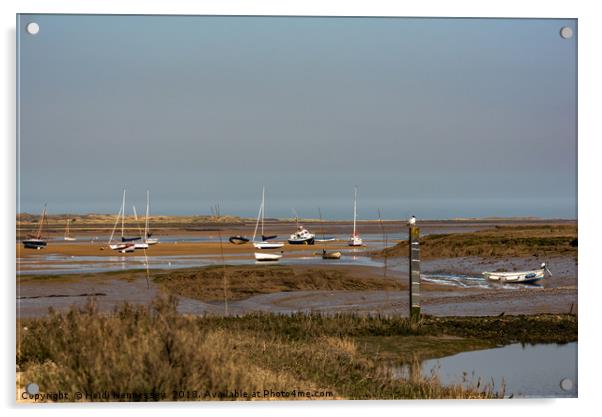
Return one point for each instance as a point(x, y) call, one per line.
point(559, 240)
point(153, 349)
point(207, 284)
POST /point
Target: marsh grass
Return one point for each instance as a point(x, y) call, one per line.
point(152, 349)
point(206, 284)
point(502, 241)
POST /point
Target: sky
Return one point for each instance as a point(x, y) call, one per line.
point(439, 118)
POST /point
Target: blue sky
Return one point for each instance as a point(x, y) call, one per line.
point(440, 118)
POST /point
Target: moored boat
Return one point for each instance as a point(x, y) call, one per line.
point(331, 255)
point(36, 241)
point(302, 237)
point(263, 244)
point(355, 239)
point(68, 236)
point(238, 240)
point(267, 257)
point(518, 276)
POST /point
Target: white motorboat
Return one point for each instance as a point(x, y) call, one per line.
point(267, 257)
point(518, 276)
point(302, 237)
point(263, 244)
point(355, 239)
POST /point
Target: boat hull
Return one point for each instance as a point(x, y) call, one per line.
point(238, 240)
point(34, 244)
point(523, 277)
point(267, 257)
point(306, 241)
point(268, 245)
point(331, 255)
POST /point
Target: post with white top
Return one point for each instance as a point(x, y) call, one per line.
point(414, 245)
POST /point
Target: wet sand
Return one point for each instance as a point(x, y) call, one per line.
point(37, 295)
point(450, 286)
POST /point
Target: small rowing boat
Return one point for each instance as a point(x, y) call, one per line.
point(238, 240)
point(267, 257)
point(331, 255)
point(524, 277)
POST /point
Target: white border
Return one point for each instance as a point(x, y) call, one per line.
point(589, 196)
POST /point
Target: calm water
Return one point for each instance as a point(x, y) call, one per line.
point(527, 371)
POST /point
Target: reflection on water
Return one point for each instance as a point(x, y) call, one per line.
point(60, 264)
point(526, 371)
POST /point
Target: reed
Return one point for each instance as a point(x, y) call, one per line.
point(153, 349)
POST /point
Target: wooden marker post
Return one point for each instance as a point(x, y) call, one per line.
point(414, 245)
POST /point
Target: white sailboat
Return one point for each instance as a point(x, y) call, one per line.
point(147, 234)
point(264, 244)
point(355, 239)
point(143, 244)
point(68, 237)
point(126, 244)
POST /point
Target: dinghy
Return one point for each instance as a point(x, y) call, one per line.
point(519, 277)
point(267, 257)
point(325, 254)
point(331, 255)
point(238, 240)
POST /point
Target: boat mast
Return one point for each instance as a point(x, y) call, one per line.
point(258, 218)
point(42, 219)
point(123, 213)
point(67, 228)
point(354, 210)
point(147, 210)
point(262, 209)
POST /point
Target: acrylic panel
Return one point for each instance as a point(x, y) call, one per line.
point(289, 208)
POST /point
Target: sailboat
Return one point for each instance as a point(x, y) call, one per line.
point(355, 239)
point(264, 244)
point(147, 234)
point(126, 244)
point(36, 241)
point(123, 237)
point(67, 235)
point(139, 245)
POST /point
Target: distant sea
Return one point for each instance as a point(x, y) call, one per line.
point(333, 209)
